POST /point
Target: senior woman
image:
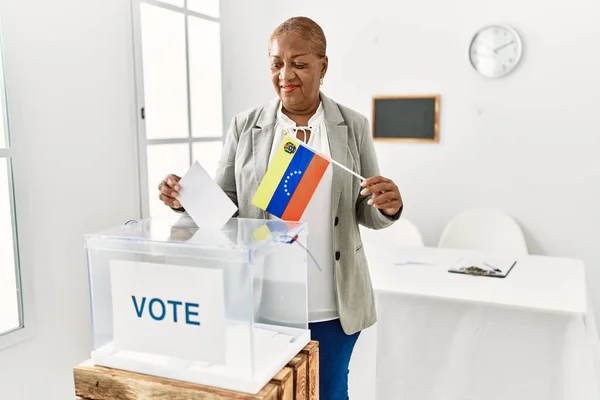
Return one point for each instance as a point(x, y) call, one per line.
point(341, 301)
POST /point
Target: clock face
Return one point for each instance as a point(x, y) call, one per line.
point(495, 51)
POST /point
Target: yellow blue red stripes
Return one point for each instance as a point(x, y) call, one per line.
point(277, 168)
point(290, 181)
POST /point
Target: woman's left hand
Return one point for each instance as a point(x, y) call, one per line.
point(384, 194)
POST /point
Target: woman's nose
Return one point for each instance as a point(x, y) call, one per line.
point(285, 74)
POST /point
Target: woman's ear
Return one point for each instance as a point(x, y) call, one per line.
point(324, 65)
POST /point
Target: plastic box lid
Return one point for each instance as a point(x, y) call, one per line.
point(179, 235)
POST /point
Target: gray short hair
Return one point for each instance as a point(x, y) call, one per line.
point(307, 29)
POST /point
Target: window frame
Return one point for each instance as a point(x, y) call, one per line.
point(22, 275)
point(143, 142)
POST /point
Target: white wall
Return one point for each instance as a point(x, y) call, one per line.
point(71, 108)
point(244, 63)
point(527, 143)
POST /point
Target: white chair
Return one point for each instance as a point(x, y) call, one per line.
point(486, 230)
point(402, 233)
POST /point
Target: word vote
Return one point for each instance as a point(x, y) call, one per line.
point(159, 309)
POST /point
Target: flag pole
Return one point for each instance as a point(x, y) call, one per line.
point(331, 160)
point(347, 169)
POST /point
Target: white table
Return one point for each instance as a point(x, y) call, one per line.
point(445, 336)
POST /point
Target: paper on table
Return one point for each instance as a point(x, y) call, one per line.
point(203, 199)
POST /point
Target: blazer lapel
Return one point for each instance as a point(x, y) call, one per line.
point(262, 141)
point(262, 138)
point(337, 132)
point(338, 144)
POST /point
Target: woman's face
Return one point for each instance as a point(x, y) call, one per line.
point(296, 72)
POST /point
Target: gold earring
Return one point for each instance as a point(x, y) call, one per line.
point(321, 81)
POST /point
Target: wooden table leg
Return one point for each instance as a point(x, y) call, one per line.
point(311, 350)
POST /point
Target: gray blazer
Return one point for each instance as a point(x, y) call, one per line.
point(244, 162)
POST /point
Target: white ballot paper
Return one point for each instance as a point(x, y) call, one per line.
point(204, 200)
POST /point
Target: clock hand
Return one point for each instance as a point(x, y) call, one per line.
point(503, 46)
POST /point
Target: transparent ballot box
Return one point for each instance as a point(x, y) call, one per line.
point(220, 307)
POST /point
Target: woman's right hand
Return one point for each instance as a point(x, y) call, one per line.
point(168, 190)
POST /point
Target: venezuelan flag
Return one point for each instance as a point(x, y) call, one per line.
point(290, 180)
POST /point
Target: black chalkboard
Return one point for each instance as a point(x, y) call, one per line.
point(409, 118)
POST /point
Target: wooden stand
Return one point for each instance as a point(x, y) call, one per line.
point(299, 380)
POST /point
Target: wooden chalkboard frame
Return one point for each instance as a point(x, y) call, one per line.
point(436, 121)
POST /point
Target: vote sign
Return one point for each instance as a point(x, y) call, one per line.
point(169, 310)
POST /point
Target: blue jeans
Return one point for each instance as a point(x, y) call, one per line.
point(335, 349)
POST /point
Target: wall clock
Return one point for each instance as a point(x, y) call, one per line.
point(495, 50)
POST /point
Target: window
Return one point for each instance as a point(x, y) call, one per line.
point(178, 84)
point(11, 317)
